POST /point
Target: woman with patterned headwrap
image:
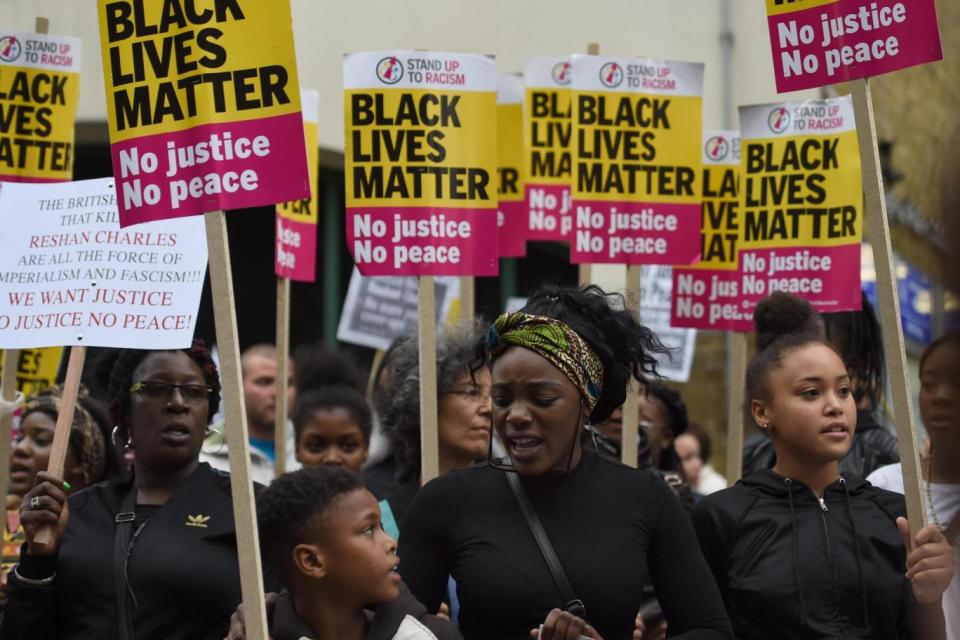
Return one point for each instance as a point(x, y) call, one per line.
point(558, 366)
point(91, 456)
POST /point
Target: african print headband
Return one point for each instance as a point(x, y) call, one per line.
point(93, 448)
point(555, 341)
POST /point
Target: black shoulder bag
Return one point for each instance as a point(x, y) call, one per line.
point(574, 605)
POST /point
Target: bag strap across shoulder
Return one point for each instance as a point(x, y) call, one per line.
point(121, 543)
point(572, 603)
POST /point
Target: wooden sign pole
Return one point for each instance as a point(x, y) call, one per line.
point(736, 383)
point(584, 271)
point(878, 231)
point(468, 298)
point(61, 435)
point(238, 451)
point(282, 379)
point(427, 338)
point(631, 406)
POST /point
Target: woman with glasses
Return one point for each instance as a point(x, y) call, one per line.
point(463, 415)
point(150, 557)
point(557, 366)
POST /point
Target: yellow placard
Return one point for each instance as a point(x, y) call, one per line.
point(306, 210)
point(510, 152)
point(39, 92)
point(417, 147)
point(36, 369)
point(801, 191)
point(547, 132)
point(776, 7)
point(636, 147)
point(170, 67)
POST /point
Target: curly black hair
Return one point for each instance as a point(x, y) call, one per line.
point(121, 379)
point(332, 397)
point(625, 347)
point(399, 409)
point(316, 365)
point(858, 338)
point(286, 507)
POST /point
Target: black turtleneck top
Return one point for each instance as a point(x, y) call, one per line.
point(610, 525)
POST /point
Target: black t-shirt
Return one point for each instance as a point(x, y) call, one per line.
point(610, 526)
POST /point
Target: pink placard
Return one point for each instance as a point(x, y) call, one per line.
point(548, 208)
point(725, 300)
point(513, 229)
point(419, 241)
point(851, 39)
point(635, 233)
point(249, 163)
point(296, 248)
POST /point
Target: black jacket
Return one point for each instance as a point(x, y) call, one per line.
point(403, 619)
point(790, 566)
point(182, 569)
point(872, 448)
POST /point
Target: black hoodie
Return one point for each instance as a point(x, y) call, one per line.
point(402, 619)
point(790, 565)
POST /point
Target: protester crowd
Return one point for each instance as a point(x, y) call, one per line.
point(533, 527)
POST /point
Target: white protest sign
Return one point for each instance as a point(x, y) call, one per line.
point(69, 275)
point(380, 309)
point(655, 288)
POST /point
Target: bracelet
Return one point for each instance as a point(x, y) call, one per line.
point(43, 582)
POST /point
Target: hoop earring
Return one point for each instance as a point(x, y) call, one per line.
point(115, 437)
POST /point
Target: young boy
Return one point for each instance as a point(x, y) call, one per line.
point(320, 533)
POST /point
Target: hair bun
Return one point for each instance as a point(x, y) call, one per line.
point(781, 314)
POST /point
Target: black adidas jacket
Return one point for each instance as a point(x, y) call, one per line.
point(182, 569)
point(791, 566)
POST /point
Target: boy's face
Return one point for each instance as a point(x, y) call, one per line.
point(361, 559)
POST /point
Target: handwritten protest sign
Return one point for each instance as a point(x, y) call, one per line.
point(636, 175)
point(421, 160)
point(203, 106)
point(713, 282)
point(37, 369)
point(801, 218)
point(296, 240)
point(72, 277)
point(512, 219)
point(547, 146)
point(821, 42)
point(39, 91)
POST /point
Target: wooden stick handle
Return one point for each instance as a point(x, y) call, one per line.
point(235, 416)
point(878, 230)
point(736, 383)
point(630, 434)
point(282, 381)
point(427, 339)
point(61, 436)
point(468, 298)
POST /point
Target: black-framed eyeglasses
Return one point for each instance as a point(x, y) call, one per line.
point(163, 390)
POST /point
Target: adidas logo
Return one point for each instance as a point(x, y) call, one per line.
point(198, 521)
